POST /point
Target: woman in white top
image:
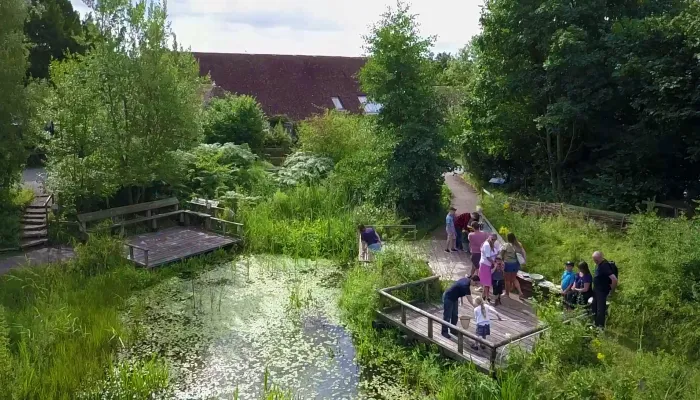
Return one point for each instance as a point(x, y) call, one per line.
point(482, 316)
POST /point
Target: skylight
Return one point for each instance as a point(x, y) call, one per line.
point(369, 107)
point(337, 103)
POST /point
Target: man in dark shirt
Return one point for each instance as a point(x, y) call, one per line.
point(604, 283)
point(449, 301)
point(461, 224)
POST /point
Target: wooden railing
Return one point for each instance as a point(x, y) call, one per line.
point(237, 228)
point(406, 307)
point(131, 253)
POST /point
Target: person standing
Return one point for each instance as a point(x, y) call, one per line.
point(497, 279)
point(461, 224)
point(482, 317)
point(450, 229)
point(476, 240)
point(583, 285)
point(488, 257)
point(604, 283)
point(509, 253)
point(458, 289)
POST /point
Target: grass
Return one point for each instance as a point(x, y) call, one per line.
point(12, 203)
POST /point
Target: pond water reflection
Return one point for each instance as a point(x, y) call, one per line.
point(221, 331)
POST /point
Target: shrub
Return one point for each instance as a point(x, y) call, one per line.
point(278, 137)
point(236, 119)
point(303, 167)
point(336, 135)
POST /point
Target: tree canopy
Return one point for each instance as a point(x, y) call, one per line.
point(236, 119)
point(399, 75)
point(594, 102)
point(123, 110)
point(14, 108)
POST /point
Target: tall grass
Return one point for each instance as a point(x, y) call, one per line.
point(308, 222)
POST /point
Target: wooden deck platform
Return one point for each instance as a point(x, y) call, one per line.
point(423, 321)
point(173, 244)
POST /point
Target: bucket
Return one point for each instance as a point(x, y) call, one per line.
point(465, 320)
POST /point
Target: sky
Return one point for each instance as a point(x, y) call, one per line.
point(312, 27)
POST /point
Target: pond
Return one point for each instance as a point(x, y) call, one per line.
point(264, 317)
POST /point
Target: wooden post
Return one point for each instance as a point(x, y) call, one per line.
point(207, 223)
point(460, 342)
point(223, 227)
point(493, 358)
point(145, 257)
point(131, 253)
point(403, 315)
point(430, 328)
point(427, 292)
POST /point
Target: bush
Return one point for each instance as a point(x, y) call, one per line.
point(336, 135)
point(278, 137)
point(303, 167)
point(236, 119)
point(12, 203)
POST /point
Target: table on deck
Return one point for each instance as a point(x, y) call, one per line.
point(520, 327)
point(174, 244)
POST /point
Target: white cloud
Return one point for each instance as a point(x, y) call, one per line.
point(319, 27)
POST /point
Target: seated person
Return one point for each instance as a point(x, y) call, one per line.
point(583, 285)
point(370, 240)
point(567, 282)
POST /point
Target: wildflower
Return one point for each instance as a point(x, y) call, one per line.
point(503, 231)
point(596, 343)
point(601, 356)
point(506, 206)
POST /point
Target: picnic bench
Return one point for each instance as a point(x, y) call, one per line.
point(172, 244)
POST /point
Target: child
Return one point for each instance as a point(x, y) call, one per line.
point(567, 281)
point(497, 279)
point(482, 314)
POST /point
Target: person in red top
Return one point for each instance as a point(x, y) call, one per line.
point(461, 224)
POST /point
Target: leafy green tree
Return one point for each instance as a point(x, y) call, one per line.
point(399, 75)
point(122, 110)
point(14, 106)
point(53, 29)
point(236, 119)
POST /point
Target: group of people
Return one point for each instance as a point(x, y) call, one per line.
point(590, 290)
point(494, 266)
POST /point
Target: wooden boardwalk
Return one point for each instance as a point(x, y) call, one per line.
point(173, 244)
point(423, 321)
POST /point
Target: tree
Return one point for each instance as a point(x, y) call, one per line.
point(14, 107)
point(123, 110)
point(53, 29)
point(236, 119)
point(399, 75)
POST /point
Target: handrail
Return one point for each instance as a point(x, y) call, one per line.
point(414, 283)
point(50, 198)
point(238, 225)
point(228, 222)
point(131, 253)
point(437, 319)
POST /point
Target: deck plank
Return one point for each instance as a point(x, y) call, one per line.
point(176, 243)
point(501, 331)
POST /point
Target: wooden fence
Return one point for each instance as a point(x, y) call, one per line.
point(608, 218)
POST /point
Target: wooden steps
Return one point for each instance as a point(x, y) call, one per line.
point(35, 223)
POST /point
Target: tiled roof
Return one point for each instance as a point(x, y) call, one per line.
point(295, 86)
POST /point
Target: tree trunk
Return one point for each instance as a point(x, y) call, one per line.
point(560, 162)
point(552, 172)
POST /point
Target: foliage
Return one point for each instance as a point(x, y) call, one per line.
point(399, 76)
point(12, 205)
point(308, 221)
point(236, 119)
point(278, 137)
point(304, 168)
point(656, 303)
point(335, 135)
point(122, 110)
point(214, 169)
point(593, 102)
point(14, 106)
point(53, 29)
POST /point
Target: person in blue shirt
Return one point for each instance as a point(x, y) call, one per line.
point(567, 280)
point(458, 290)
point(451, 230)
